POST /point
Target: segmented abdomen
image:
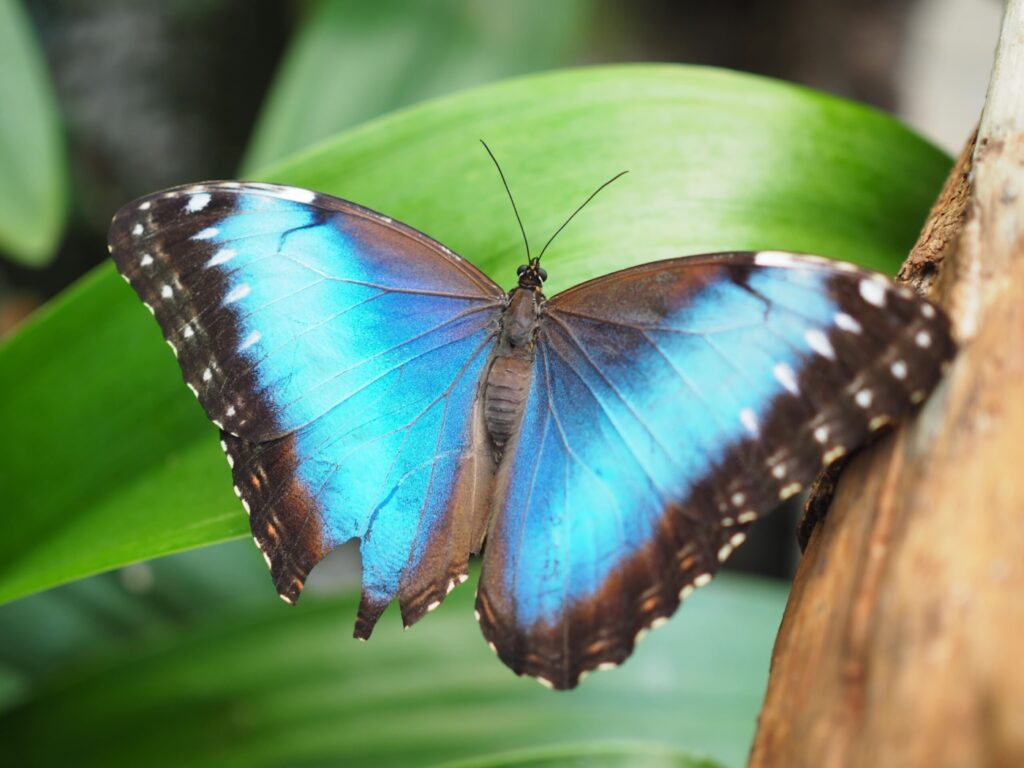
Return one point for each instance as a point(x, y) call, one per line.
point(508, 384)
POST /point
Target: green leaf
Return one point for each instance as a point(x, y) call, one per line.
point(282, 686)
point(352, 60)
point(591, 756)
point(33, 186)
point(107, 458)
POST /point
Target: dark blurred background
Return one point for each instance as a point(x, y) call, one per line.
point(153, 94)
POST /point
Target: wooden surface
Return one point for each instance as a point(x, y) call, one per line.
point(903, 641)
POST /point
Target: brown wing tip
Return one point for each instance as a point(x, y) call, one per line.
point(370, 611)
point(416, 605)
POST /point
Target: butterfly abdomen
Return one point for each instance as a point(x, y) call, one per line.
point(507, 384)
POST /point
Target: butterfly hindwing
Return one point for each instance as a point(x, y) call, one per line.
point(340, 354)
point(672, 404)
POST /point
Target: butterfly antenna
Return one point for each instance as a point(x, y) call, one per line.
point(510, 198)
point(584, 205)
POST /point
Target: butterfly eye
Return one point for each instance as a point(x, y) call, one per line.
point(543, 273)
point(521, 270)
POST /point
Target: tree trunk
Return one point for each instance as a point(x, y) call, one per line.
point(902, 641)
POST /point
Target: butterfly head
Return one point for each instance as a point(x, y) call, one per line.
point(532, 275)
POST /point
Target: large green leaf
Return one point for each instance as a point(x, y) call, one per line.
point(32, 174)
point(107, 459)
point(352, 60)
point(280, 686)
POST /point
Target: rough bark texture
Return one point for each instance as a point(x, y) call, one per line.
point(901, 644)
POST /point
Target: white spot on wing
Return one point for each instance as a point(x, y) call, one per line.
point(251, 339)
point(749, 420)
point(166, 292)
point(702, 580)
point(864, 398)
point(847, 323)
point(207, 374)
point(790, 490)
point(899, 369)
point(137, 230)
point(873, 292)
point(297, 194)
point(819, 342)
point(146, 260)
point(222, 256)
point(821, 434)
point(747, 517)
point(878, 422)
point(928, 310)
point(207, 234)
point(786, 377)
point(923, 339)
point(237, 293)
point(775, 259)
point(197, 202)
point(836, 453)
point(145, 206)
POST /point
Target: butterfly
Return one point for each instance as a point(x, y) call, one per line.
point(605, 449)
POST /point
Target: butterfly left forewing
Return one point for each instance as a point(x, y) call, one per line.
point(339, 352)
point(672, 405)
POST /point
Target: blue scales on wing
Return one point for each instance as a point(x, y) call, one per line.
point(340, 354)
point(672, 404)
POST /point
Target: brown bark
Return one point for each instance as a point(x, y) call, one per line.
point(901, 644)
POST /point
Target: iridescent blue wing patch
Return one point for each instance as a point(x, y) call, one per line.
point(672, 405)
point(340, 354)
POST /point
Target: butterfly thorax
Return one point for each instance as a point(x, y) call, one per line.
point(509, 374)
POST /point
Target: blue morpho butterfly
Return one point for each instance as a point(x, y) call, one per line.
point(606, 448)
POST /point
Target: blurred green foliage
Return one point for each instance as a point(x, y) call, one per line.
point(352, 61)
point(33, 183)
point(269, 685)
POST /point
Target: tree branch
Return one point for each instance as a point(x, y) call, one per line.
point(901, 641)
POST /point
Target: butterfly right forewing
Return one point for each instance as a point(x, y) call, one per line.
point(673, 404)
